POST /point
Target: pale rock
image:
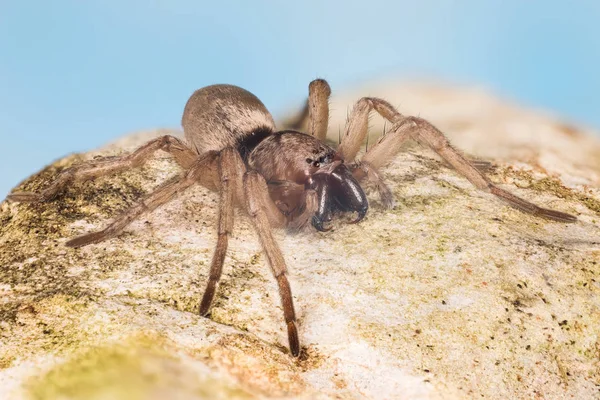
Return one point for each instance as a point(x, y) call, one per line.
point(450, 295)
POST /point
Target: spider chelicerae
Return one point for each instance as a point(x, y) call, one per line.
point(280, 178)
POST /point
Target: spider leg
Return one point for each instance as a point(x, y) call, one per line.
point(428, 135)
point(355, 133)
point(150, 202)
point(315, 110)
point(231, 169)
point(295, 202)
point(310, 204)
point(256, 189)
point(318, 108)
point(356, 129)
point(379, 155)
point(110, 165)
point(364, 169)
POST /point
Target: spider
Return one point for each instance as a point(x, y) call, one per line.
point(280, 178)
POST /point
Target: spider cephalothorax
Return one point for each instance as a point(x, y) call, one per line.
point(294, 159)
point(281, 179)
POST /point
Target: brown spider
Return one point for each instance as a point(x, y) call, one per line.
point(281, 178)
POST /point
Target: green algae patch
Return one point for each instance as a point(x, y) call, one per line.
point(58, 325)
point(33, 258)
point(6, 361)
point(144, 366)
point(419, 203)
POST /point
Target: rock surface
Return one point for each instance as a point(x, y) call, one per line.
point(449, 295)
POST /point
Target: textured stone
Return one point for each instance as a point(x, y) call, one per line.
point(449, 295)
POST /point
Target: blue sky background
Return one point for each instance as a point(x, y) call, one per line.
point(75, 74)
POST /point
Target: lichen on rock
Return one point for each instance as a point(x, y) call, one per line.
point(451, 294)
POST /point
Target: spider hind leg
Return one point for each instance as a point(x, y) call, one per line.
point(108, 166)
point(163, 194)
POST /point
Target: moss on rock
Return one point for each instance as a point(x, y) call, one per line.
point(145, 366)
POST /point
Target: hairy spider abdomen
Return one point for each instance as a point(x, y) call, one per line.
point(220, 116)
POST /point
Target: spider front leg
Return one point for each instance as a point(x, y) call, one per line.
point(256, 192)
point(318, 108)
point(426, 134)
point(231, 169)
point(237, 184)
point(364, 170)
point(315, 110)
point(355, 133)
point(111, 165)
point(296, 202)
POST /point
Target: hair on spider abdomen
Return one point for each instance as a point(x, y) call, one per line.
point(280, 178)
point(220, 116)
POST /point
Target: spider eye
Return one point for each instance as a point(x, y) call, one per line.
point(309, 161)
point(317, 164)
